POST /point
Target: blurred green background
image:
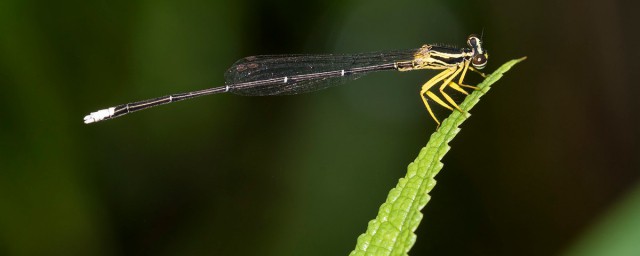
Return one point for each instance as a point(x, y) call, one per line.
point(548, 163)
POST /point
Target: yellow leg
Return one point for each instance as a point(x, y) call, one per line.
point(425, 92)
point(469, 86)
point(464, 72)
point(466, 67)
point(457, 88)
point(446, 83)
point(426, 104)
point(477, 71)
point(438, 100)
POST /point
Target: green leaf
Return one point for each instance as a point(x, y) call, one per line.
point(617, 231)
point(392, 231)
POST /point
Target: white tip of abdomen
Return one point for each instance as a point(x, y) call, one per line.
point(99, 115)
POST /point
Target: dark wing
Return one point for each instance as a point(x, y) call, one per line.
point(308, 72)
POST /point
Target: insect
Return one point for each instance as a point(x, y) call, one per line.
point(268, 75)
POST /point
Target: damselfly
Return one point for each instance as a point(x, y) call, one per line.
point(295, 74)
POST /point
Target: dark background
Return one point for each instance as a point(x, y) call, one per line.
point(548, 163)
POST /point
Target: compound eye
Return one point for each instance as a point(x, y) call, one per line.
point(479, 61)
point(472, 41)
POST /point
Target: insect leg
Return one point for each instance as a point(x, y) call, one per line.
point(446, 82)
point(425, 91)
